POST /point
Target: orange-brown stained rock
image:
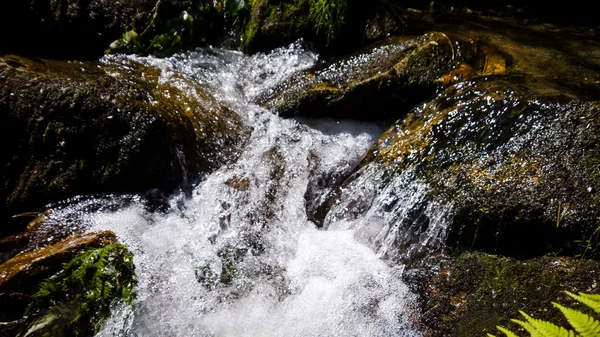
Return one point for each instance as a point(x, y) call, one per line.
point(29, 267)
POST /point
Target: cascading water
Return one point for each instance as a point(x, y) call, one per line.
point(239, 257)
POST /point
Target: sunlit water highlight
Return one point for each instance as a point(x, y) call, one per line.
point(239, 257)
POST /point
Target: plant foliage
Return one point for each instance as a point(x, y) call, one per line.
point(328, 16)
point(80, 297)
point(168, 32)
point(583, 325)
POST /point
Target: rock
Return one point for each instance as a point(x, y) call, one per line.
point(473, 293)
point(115, 126)
point(85, 29)
point(384, 81)
point(505, 165)
point(273, 25)
point(334, 27)
point(13, 244)
point(67, 287)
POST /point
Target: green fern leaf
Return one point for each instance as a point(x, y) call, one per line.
point(541, 328)
point(591, 300)
point(533, 332)
point(507, 332)
point(585, 325)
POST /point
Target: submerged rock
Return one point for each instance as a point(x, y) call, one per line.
point(385, 81)
point(472, 294)
point(504, 165)
point(113, 126)
point(66, 288)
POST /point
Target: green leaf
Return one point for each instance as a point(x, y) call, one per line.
point(507, 332)
point(591, 300)
point(129, 36)
point(585, 325)
point(541, 328)
point(234, 6)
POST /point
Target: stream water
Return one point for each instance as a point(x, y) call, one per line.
point(239, 257)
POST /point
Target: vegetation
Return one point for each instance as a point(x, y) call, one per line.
point(80, 297)
point(584, 325)
point(168, 32)
point(327, 16)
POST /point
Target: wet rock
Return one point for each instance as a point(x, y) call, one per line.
point(384, 81)
point(11, 245)
point(472, 294)
point(517, 165)
point(85, 29)
point(66, 288)
point(111, 126)
point(505, 165)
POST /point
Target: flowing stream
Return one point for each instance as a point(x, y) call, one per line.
point(239, 257)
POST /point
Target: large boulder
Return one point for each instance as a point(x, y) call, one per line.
point(383, 81)
point(505, 165)
point(66, 288)
point(473, 293)
point(117, 125)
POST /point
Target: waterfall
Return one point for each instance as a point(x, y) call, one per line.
point(239, 257)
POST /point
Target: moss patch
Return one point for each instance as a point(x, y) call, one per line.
point(473, 293)
point(78, 300)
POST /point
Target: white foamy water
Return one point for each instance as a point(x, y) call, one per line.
point(239, 257)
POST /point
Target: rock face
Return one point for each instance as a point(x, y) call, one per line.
point(113, 126)
point(65, 288)
point(473, 293)
point(504, 165)
point(384, 81)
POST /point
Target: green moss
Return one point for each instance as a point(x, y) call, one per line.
point(80, 297)
point(472, 294)
point(272, 23)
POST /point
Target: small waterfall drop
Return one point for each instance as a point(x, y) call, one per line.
point(240, 257)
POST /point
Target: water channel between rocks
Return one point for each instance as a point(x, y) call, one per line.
point(240, 257)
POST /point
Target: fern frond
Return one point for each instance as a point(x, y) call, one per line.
point(541, 328)
point(507, 332)
point(585, 325)
point(591, 300)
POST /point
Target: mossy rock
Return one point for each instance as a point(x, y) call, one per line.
point(85, 29)
point(516, 163)
point(114, 126)
point(473, 293)
point(505, 165)
point(66, 289)
point(334, 27)
point(383, 81)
